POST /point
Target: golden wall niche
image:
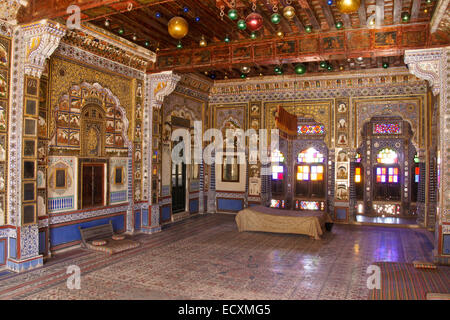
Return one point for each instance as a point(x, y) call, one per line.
point(64, 74)
point(319, 110)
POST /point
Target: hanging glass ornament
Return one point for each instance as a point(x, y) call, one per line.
point(232, 14)
point(300, 68)
point(241, 24)
point(245, 69)
point(254, 21)
point(323, 64)
point(202, 42)
point(178, 27)
point(289, 12)
point(405, 16)
point(308, 29)
point(385, 65)
point(348, 6)
point(339, 25)
point(275, 18)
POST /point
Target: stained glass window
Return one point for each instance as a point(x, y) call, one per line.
point(277, 203)
point(416, 158)
point(358, 157)
point(416, 174)
point(309, 205)
point(277, 168)
point(313, 173)
point(308, 129)
point(310, 155)
point(387, 156)
point(387, 128)
point(357, 175)
point(387, 175)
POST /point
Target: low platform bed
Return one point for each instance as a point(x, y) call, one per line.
point(102, 238)
point(259, 218)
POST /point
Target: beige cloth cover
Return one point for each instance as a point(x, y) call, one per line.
point(259, 218)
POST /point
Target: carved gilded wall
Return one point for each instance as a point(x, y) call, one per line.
point(4, 107)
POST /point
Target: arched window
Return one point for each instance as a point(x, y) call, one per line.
point(387, 176)
point(387, 156)
point(278, 172)
point(310, 174)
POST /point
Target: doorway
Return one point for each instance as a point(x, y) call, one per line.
point(178, 187)
point(93, 185)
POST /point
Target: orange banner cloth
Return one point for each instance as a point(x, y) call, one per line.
point(285, 121)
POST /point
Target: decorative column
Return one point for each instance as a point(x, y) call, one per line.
point(158, 86)
point(32, 45)
point(431, 65)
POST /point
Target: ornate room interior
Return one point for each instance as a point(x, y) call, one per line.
point(92, 93)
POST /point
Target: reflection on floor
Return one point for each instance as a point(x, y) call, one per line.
point(386, 220)
point(205, 257)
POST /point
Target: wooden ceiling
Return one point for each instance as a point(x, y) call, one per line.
point(145, 23)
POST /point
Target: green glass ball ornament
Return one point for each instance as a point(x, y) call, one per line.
point(339, 25)
point(227, 39)
point(323, 64)
point(121, 31)
point(300, 68)
point(428, 1)
point(308, 29)
point(275, 18)
point(405, 16)
point(329, 67)
point(385, 65)
point(243, 76)
point(241, 24)
point(232, 14)
point(179, 45)
point(277, 69)
point(253, 35)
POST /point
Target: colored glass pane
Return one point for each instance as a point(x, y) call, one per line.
point(386, 128)
point(387, 156)
point(308, 129)
point(310, 155)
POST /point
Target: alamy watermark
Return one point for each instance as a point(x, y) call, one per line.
point(74, 280)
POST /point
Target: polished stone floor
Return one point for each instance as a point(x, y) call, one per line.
point(205, 257)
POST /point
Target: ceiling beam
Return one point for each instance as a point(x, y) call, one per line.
point(415, 10)
point(310, 13)
point(328, 15)
point(397, 11)
point(362, 14)
point(379, 13)
point(346, 20)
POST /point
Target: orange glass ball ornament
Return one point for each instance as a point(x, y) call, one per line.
point(348, 6)
point(178, 27)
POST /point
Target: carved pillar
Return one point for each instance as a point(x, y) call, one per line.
point(431, 65)
point(32, 45)
point(158, 86)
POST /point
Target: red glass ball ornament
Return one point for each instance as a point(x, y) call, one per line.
point(254, 21)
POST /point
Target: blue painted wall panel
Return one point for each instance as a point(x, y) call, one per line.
point(137, 219)
point(69, 233)
point(165, 213)
point(230, 204)
point(446, 244)
point(341, 214)
point(12, 248)
point(42, 242)
point(193, 206)
point(145, 217)
point(2, 251)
